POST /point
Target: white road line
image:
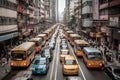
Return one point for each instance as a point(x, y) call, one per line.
point(53, 62)
point(80, 68)
point(78, 64)
point(57, 61)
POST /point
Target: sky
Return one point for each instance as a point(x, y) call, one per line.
point(61, 6)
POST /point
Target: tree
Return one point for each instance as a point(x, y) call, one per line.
point(72, 21)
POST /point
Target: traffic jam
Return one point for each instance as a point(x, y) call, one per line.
point(58, 53)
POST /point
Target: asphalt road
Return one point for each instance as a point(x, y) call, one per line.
point(89, 74)
point(55, 69)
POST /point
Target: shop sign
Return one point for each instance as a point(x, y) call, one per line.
point(15, 34)
point(108, 31)
point(99, 35)
point(103, 29)
point(114, 21)
point(92, 34)
point(5, 37)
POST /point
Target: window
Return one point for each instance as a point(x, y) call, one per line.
point(1, 3)
point(31, 50)
point(7, 20)
point(8, 4)
point(0, 20)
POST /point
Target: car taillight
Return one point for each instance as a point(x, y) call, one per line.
point(24, 63)
point(100, 64)
point(89, 64)
point(11, 64)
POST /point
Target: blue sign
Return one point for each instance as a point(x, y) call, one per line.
point(7, 36)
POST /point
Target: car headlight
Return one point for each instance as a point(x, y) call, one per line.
point(32, 68)
point(44, 68)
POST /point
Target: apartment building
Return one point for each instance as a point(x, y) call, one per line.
point(77, 13)
point(87, 16)
point(8, 23)
point(110, 10)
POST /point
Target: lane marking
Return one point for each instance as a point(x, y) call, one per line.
point(78, 64)
point(53, 62)
point(57, 60)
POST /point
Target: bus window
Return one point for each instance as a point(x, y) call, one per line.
point(18, 56)
point(95, 56)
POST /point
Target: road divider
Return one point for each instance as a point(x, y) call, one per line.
point(53, 62)
point(58, 50)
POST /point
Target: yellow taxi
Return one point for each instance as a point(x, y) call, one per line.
point(63, 53)
point(70, 66)
point(79, 45)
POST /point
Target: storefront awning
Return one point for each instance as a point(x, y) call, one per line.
point(30, 27)
point(8, 36)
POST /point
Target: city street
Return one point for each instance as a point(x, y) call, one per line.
point(59, 39)
point(55, 70)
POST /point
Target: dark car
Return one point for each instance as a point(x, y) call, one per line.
point(47, 52)
point(113, 71)
point(73, 78)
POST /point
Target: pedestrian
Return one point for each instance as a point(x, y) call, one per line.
point(4, 61)
point(111, 55)
point(104, 51)
point(107, 55)
point(7, 57)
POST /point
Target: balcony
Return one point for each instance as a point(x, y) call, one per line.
point(103, 6)
point(31, 22)
point(46, 4)
point(31, 7)
point(32, 16)
point(104, 17)
point(8, 28)
point(114, 3)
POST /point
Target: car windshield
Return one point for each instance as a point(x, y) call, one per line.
point(40, 62)
point(18, 56)
point(70, 62)
point(64, 52)
point(64, 45)
point(46, 53)
point(117, 71)
point(81, 46)
point(94, 56)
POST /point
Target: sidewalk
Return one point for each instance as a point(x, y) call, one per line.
point(4, 70)
point(115, 61)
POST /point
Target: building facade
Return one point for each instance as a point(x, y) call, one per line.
point(87, 16)
point(77, 13)
point(8, 24)
point(52, 11)
point(110, 11)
